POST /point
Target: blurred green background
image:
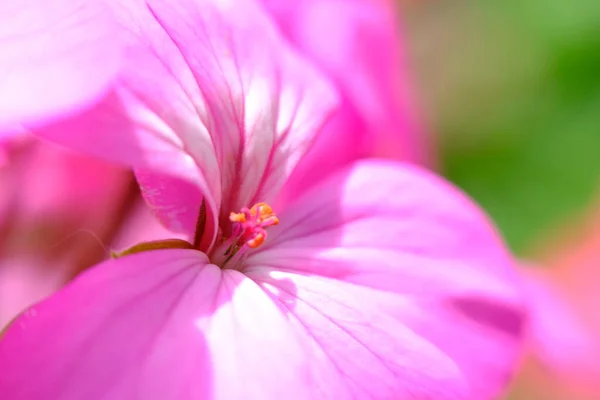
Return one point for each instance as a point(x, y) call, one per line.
point(512, 91)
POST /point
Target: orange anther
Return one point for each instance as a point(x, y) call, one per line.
point(237, 217)
point(265, 214)
point(256, 240)
point(263, 210)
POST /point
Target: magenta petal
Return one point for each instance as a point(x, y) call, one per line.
point(56, 57)
point(359, 350)
point(559, 337)
point(141, 226)
point(210, 101)
point(359, 45)
point(156, 325)
point(389, 237)
point(25, 280)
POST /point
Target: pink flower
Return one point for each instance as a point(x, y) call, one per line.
point(60, 212)
point(379, 281)
point(356, 43)
point(565, 321)
point(56, 209)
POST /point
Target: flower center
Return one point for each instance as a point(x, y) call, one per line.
point(249, 224)
point(249, 232)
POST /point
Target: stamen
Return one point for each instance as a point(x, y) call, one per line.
point(248, 229)
point(250, 224)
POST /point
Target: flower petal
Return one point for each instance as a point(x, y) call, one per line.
point(221, 103)
point(564, 299)
point(56, 57)
point(560, 339)
point(139, 226)
point(399, 240)
point(359, 45)
point(361, 350)
point(155, 325)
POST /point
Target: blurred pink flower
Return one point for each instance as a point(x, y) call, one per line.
point(565, 319)
point(60, 212)
point(56, 210)
point(380, 281)
point(357, 44)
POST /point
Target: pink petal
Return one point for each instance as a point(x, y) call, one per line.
point(559, 338)
point(386, 238)
point(56, 57)
point(10, 132)
point(53, 182)
point(140, 225)
point(26, 279)
point(156, 325)
point(221, 107)
point(358, 44)
point(361, 351)
point(566, 319)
